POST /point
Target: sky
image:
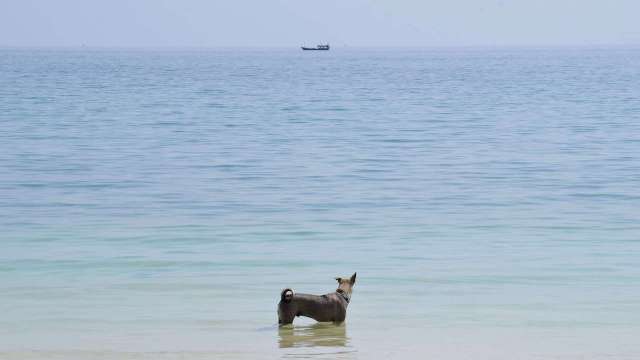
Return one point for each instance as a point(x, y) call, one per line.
point(286, 23)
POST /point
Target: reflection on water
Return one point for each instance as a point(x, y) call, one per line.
point(303, 341)
point(320, 334)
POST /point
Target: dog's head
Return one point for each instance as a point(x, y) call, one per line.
point(346, 285)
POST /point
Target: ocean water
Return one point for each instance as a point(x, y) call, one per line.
point(154, 203)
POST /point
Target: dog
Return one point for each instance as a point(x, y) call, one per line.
point(330, 307)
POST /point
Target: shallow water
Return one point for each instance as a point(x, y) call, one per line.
point(154, 203)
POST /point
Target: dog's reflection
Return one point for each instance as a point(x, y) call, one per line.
point(319, 334)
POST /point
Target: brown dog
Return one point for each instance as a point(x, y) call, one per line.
point(328, 307)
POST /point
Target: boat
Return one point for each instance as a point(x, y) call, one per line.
point(319, 47)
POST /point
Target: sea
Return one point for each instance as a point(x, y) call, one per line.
point(154, 202)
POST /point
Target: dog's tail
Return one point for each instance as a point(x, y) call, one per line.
point(286, 295)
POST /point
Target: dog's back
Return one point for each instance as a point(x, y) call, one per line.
point(329, 307)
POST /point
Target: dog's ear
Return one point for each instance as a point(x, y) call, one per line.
point(353, 279)
point(339, 279)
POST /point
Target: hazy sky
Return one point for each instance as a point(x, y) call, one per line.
point(157, 23)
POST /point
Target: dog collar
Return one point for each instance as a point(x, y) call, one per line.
point(344, 296)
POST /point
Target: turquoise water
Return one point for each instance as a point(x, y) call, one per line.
point(154, 203)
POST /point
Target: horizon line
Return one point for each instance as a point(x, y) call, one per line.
point(333, 47)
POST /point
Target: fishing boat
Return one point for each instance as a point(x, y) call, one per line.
point(319, 47)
